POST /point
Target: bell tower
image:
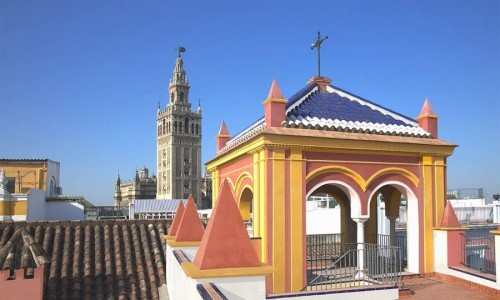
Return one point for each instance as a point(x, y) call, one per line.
point(179, 141)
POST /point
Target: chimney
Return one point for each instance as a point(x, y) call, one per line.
point(275, 106)
point(428, 120)
point(322, 82)
point(222, 137)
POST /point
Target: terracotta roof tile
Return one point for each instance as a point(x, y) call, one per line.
point(119, 259)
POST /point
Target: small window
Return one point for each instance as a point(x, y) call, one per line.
point(11, 184)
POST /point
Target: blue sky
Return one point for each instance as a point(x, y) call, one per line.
point(80, 81)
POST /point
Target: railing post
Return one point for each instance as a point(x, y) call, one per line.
point(496, 211)
point(392, 230)
point(360, 247)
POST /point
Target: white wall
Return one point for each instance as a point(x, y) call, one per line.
point(53, 170)
point(180, 286)
point(322, 221)
point(441, 260)
point(63, 210)
point(36, 205)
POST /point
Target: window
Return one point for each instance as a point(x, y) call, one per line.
point(11, 184)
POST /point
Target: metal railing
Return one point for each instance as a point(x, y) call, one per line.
point(478, 252)
point(385, 240)
point(359, 265)
point(474, 214)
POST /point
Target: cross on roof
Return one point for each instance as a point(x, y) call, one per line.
point(318, 43)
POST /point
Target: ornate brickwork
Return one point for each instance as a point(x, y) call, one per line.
point(179, 141)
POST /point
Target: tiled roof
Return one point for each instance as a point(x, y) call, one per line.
point(335, 110)
point(25, 159)
point(156, 205)
point(79, 199)
point(21, 251)
point(120, 259)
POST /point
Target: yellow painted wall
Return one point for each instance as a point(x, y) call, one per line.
point(297, 230)
point(427, 222)
point(278, 217)
point(262, 203)
point(11, 208)
point(440, 190)
point(256, 198)
point(31, 175)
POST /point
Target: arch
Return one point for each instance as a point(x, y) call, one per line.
point(53, 184)
point(354, 198)
point(412, 221)
point(245, 176)
point(338, 169)
point(245, 202)
point(409, 175)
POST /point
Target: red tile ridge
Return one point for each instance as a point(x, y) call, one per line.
point(226, 243)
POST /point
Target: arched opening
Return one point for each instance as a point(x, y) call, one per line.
point(330, 208)
point(246, 209)
point(328, 212)
point(394, 211)
point(52, 190)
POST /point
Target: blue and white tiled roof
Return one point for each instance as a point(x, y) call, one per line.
point(335, 109)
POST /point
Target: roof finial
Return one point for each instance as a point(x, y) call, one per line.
point(3, 182)
point(318, 43)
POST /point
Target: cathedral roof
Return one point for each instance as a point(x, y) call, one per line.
point(335, 109)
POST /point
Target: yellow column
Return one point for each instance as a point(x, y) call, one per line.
point(439, 188)
point(256, 196)
point(278, 220)
point(296, 218)
point(215, 186)
point(262, 203)
point(427, 171)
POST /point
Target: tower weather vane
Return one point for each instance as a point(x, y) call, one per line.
point(318, 43)
point(180, 50)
